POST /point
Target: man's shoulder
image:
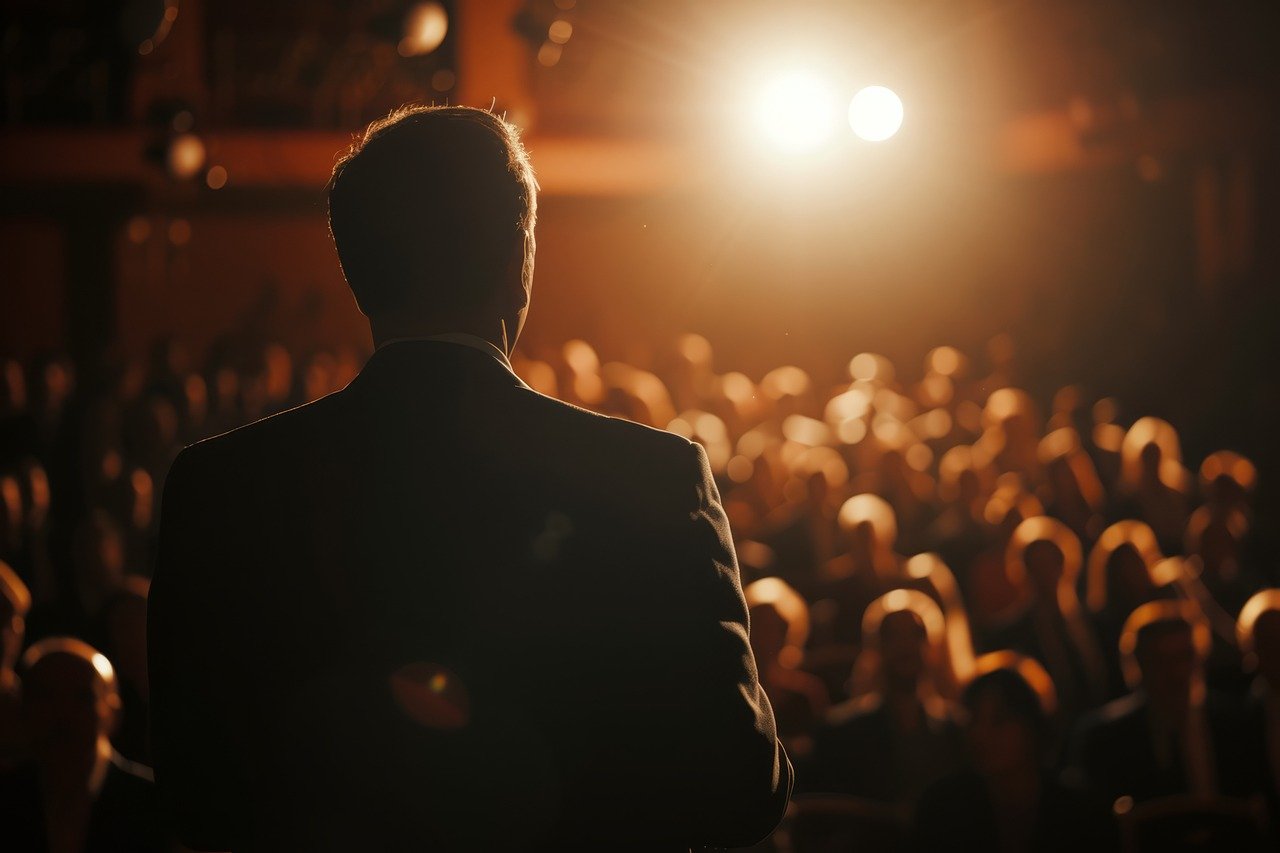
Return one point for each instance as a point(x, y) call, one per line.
point(1115, 720)
point(619, 466)
point(267, 436)
point(579, 425)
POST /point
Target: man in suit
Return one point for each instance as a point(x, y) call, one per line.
point(1171, 735)
point(438, 610)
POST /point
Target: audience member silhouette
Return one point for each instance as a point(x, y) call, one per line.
point(1044, 559)
point(1008, 799)
point(75, 793)
point(1259, 636)
point(779, 630)
point(1171, 735)
point(15, 601)
point(1119, 578)
point(897, 739)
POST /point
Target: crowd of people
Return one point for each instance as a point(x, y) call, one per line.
point(982, 625)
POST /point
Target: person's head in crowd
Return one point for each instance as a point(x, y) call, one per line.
point(1163, 648)
point(1227, 481)
point(1008, 719)
point(1258, 635)
point(1077, 493)
point(157, 429)
point(1068, 409)
point(578, 370)
point(11, 515)
point(69, 706)
point(1010, 505)
point(13, 387)
point(1151, 458)
point(1045, 553)
point(940, 582)
point(33, 480)
point(965, 478)
point(226, 392)
point(692, 376)
point(779, 623)
point(432, 211)
point(1213, 540)
point(1011, 432)
point(99, 555)
point(125, 616)
point(903, 641)
point(195, 404)
point(788, 391)
point(818, 474)
point(276, 376)
point(15, 602)
point(871, 529)
point(53, 386)
point(1119, 576)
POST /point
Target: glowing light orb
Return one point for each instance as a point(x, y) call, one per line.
point(425, 27)
point(875, 113)
point(797, 111)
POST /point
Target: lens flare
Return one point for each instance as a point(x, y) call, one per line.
point(875, 113)
point(797, 111)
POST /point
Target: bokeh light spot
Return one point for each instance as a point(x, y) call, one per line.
point(424, 29)
point(875, 113)
point(216, 178)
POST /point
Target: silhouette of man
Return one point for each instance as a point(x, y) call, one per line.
point(438, 610)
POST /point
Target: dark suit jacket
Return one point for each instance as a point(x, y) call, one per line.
point(859, 751)
point(557, 590)
point(957, 814)
point(1114, 755)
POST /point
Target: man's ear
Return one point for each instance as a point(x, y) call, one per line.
point(519, 273)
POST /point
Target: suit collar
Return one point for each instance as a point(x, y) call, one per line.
point(461, 339)
point(447, 352)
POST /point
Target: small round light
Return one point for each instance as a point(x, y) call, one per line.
point(875, 113)
point(425, 27)
point(185, 157)
point(216, 177)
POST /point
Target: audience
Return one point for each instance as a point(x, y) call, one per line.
point(890, 530)
point(75, 792)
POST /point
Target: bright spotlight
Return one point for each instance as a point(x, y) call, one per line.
point(875, 113)
point(797, 111)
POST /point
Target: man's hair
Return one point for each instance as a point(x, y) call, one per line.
point(1013, 690)
point(102, 669)
point(426, 207)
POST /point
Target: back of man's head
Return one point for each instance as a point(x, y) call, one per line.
point(428, 207)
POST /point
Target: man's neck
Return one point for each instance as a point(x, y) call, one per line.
point(390, 329)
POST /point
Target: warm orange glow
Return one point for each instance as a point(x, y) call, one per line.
point(185, 157)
